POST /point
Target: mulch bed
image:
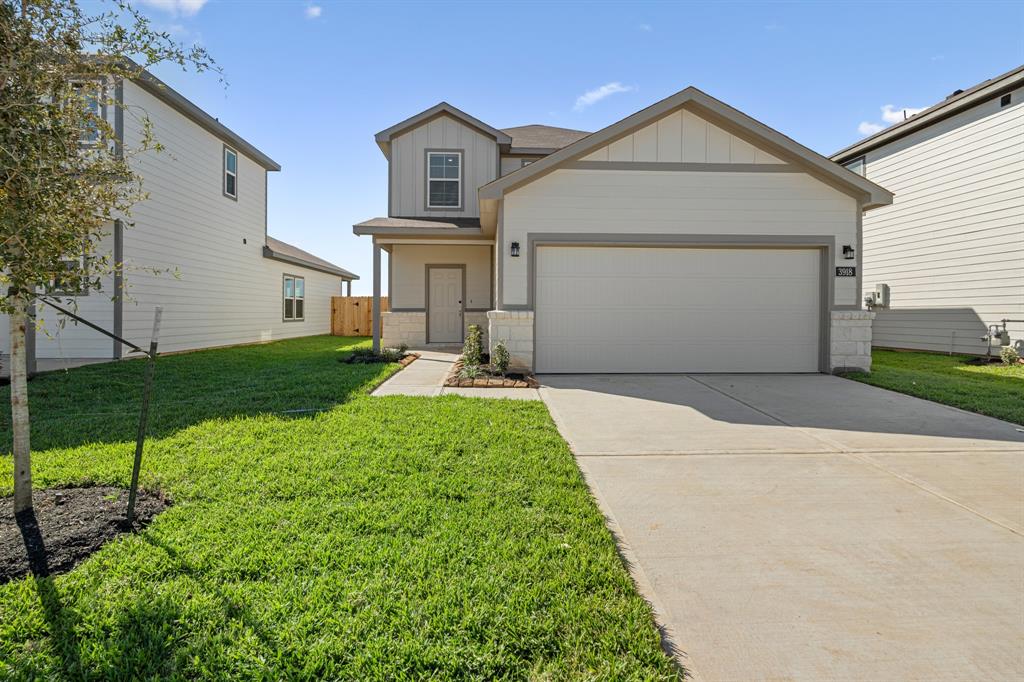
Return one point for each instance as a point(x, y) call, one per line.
point(67, 526)
point(510, 380)
point(406, 360)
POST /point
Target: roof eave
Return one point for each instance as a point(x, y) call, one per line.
point(938, 112)
point(363, 230)
point(180, 103)
point(292, 260)
point(441, 108)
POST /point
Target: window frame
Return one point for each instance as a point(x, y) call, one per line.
point(461, 153)
point(293, 298)
point(225, 172)
point(52, 288)
point(863, 165)
point(94, 138)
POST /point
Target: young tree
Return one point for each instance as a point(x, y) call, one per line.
point(64, 178)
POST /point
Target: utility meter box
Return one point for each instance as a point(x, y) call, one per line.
point(881, 297)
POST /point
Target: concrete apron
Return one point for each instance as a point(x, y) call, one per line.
point(809, 527)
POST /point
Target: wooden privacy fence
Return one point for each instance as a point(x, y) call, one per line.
point(353, 315)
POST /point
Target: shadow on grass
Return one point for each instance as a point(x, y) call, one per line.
point(60, 622)
point(295, 378)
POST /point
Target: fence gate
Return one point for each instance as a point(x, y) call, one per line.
point(353, 315)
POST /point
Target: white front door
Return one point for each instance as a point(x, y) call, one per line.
point(444, 305)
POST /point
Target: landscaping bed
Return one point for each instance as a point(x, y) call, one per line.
point(489, 379)
point(68, 524)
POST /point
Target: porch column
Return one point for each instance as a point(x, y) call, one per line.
point(348, 287)
point(376, 296)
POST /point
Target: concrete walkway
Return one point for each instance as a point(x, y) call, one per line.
point(425, 377)
point(809, 527)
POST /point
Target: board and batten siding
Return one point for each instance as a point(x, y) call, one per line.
point(219, 289)
point(674, 202)
point(408, 164)
point(951, 246)
point(408, 267)
point(682, 137)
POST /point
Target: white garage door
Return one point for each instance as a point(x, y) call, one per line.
point(614, 309)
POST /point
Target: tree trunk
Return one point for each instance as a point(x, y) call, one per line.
point(19, 405)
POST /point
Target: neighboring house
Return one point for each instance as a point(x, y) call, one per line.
point(951, 246)
point(687, 237)
point(205, 219)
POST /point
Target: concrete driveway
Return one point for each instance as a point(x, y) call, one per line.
point(809, 527)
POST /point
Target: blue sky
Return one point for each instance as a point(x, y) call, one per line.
point(311, 82)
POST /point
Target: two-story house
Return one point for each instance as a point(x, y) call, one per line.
point(198, 246)
point(687, 237)
point(950, 249)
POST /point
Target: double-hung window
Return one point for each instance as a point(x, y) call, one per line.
point(294, 298)
point(230, 173)
point(444, 180)
point(71, 279)
point(88, 96)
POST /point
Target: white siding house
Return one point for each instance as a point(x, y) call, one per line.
point(197, 246)
point(951, 246)
point(687, 237)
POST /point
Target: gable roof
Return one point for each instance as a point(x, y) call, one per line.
point(282, 251)
point(186, 108)
point(384, 137)
point(542, 139)
point(953, 104)
point(718, 113)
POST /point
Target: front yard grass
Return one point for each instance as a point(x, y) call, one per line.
point(993, 389)
point(318, 533)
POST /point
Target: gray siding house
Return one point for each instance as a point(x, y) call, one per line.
point(950, 248)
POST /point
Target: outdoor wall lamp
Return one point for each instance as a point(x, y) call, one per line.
point(515, 249)
point(848, 252)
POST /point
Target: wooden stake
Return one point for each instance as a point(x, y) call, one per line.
point(144, 414)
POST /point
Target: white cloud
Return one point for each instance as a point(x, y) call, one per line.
point(313, 11)
point(869, 128)
point(598, 94)
point(176, 8)
point(891, 114)
point(647, 28)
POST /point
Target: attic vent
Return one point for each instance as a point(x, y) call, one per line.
point(1004, 100)
point(953, 94)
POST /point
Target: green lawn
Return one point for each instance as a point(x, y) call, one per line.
point(996, 389)
point(371, 538)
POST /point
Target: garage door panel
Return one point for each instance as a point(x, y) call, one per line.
point(609, 309)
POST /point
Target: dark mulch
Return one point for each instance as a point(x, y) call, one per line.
point(68, 524)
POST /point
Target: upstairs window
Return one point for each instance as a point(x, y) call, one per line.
point(858, 166)
point(88, 97)
point(444, 180)
point(230, 173)
point(294, 298)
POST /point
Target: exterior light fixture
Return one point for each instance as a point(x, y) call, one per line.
point(515, 249)
point(848, 252)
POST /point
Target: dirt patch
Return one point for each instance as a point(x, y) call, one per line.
point(68, 524)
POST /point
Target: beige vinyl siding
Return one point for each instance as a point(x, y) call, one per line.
point(672, 202)
point(408, 166)
point(682, 137)
point(951, 246)
point(408, 268)
point(225, 291)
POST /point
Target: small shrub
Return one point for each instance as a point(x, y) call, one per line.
point(471, 372)
point(366, 356)
point(1009, 355)
point(500, 358)
point(473, 348)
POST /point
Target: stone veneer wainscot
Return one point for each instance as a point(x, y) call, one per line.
point(851, 340)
